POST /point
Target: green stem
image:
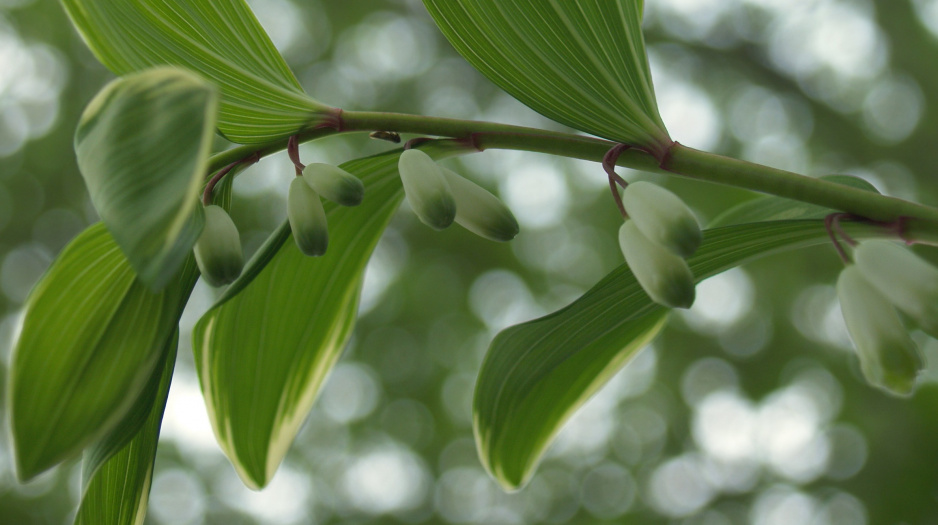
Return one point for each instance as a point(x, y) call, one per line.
point(701, 165)
point(680, 160)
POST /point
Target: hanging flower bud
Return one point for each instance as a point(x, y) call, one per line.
point(888, 356)
point(335, 184)
point(665, 277)
point(218, 250)
point(909, 282)
point(479, 211)
point(662, 217)
point(427, 190)
point(307, 219)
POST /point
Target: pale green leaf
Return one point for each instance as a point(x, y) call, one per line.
point(264, 350)
point(221, 40)
point(92, 335)
point(142, 147)
point(580, 63)
point(772, 208)
point(535, 375)
point(115, 492)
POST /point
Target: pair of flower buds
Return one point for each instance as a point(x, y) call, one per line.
point(660, 233)
point(884, 278)
point(440, 197)
point(218, 250)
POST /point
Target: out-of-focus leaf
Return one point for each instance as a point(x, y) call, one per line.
point(116, 491)
point(772, 208)
point(580, 63)
point(264, 350)
point(537, 374)
point(143, 146)
point(92, 335)
point(221, 40)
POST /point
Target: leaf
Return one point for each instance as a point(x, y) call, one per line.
point(143, 145)
point(772, 208)
point(537, 374)
point(92, 335)
point(580, 63)
point(116, 491)
point(265, 349)
point(221, 40)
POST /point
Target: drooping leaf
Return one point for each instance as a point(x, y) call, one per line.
point(265, 349)
point(142, 146)
point(537, 374)
point(221, 40)
point(115, 492)
point(772, 208)
point(92, 335)
point(580, 63)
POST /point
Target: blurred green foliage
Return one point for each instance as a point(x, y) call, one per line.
point(748, 409)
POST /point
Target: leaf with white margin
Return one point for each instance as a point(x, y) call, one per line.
point(142, 145)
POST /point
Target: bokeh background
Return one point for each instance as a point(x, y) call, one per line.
point(748, 409)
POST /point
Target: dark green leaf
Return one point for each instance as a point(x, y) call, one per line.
point(92, 335)
point(264, 350)
point(537, 374)
point(116, 491)
point(142, 148)
point(221, 40)
point(580, 63)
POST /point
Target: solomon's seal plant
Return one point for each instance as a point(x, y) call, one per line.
point(94, 358)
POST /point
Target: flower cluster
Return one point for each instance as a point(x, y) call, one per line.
point(304, 207)
point(440, 197)
point(659, 234)
point(886, 278)
point(218, 249)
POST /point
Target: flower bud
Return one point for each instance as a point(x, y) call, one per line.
point(888, 356)
point(307, 219)
point(335, 184)
point(218, 250)
point(664, 276)
point(662, 217)
point(479, 211)
point(909, 282)
point(426, 188)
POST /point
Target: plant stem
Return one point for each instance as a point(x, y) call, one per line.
point(679, 160)
point(724, 170)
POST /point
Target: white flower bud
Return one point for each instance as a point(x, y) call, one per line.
point(662, 217)
point(888, 357)
point(664, 276)
point(218, 250)
point(426, 188)
point(307, 219)
point(335, 184)
point(479, 211)
point(909, 282)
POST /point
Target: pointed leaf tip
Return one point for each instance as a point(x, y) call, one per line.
point(582, 63)
point(309, 306)
point(92, 335)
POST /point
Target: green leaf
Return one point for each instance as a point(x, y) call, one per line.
point(221, 40)
point(92, 335)
point(116, 491)
point(580, 63)
point(537, 374)
point(142, 146)
point(265, 349)
point(772, 208)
